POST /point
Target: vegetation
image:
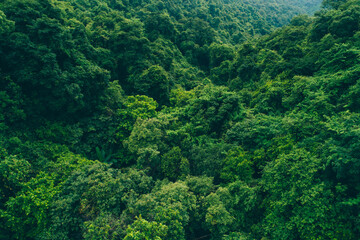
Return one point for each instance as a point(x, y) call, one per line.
point(179, 120)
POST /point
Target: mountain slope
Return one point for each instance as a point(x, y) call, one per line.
point(118, 121)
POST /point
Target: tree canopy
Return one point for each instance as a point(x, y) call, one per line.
point(179, 120)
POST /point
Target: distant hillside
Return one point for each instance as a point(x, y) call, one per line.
point(120, 40)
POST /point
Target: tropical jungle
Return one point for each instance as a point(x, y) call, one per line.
point(179, 119)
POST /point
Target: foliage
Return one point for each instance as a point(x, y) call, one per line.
point(204, 119)
point(142, 230)
point(237, 166)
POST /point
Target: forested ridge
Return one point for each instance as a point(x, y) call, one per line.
point(179, 120)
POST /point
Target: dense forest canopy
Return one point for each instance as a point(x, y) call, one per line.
point(179, 120)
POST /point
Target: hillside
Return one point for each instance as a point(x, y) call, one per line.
point(179, 120)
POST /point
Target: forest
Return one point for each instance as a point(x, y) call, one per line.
point(179, 119)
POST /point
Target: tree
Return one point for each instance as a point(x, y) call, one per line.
point(105, 226)
point(160, 24)
point(332, 3)
point(91, 199)
point(300, 204)
point(154, 82)
point(147, 143)
point(174, 165)
point(6, 26)
point(14, 173)
point(220, 53)
point(135, 107)
point(237, 166)
point(27, 213)
point(218, 219)
point(143, 230)
point(169, 204)
point(213, 108)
